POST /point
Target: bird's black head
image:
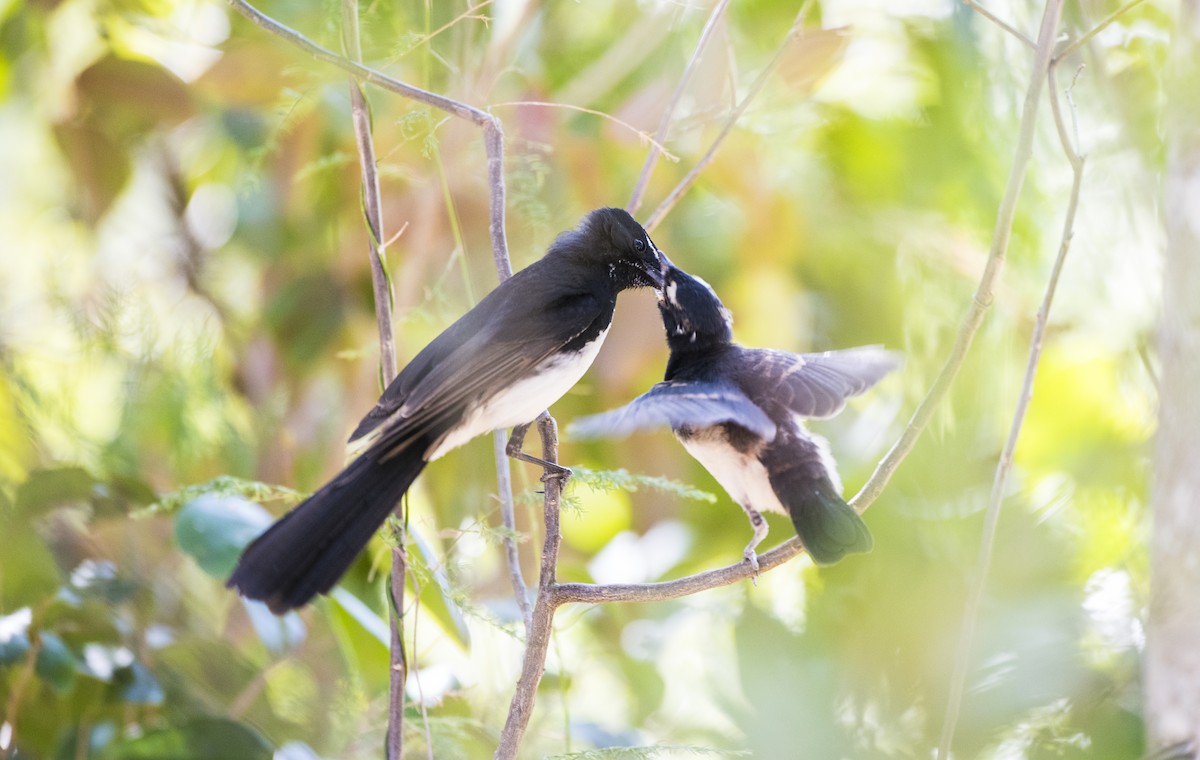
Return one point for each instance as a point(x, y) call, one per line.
point(612, 238)
point(692, 314)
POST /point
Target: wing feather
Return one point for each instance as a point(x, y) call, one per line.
point(677, 404)
point(815, 385)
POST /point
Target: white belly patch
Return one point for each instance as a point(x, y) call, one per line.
point(524, 400)
point(741, 475)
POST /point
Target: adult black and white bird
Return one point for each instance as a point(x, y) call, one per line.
point(503, 362)
point(739, 412)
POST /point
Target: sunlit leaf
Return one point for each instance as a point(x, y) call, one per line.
point(215, 529)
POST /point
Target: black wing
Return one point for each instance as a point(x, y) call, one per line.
point(676, 404)
point(492, 346)
point(813, 385)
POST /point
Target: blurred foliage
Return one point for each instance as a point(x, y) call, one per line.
point(187, 335)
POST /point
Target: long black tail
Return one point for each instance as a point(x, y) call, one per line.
point(311, 547)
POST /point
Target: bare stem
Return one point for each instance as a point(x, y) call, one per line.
point(493, 135)
point(644, 136)
point(690, 179)
point(1000, 23)
point(365, 73)
point(360, 113)
point(508, 517)
point(1041, 72)
point(655, 592)
point(1071, 48)
point(538, 641)
point(991, 273)
point(664, 126)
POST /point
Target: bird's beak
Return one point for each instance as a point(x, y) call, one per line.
point(656, 276)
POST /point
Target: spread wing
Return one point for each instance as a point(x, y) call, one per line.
point(676, 404)
point(814, 385)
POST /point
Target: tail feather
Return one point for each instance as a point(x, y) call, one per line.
point(311, 547)
point(828, 527)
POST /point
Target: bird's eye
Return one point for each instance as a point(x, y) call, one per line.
point(638, 245)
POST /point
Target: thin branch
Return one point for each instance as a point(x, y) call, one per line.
point(360, 114)
point(664, 126)
point(645, 136)
point(365, 73)
point(1071, 48)
point(995, 262)
point(1042, 70)
point(590, 593)
point(493, 134)
point(686, 183)
point(538, 641)
point(508, 517)
point(1000, 23)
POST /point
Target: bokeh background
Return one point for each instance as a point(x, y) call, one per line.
point(187, 336)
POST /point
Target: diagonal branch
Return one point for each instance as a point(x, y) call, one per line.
point(1071, 48)
point(1042, 70)
point(991, 273)
point(493, 135)
point(664, 126)
point(1000, 23)
point(690, 179)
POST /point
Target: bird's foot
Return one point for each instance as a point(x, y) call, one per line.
point(563, 474)
point(750, 556)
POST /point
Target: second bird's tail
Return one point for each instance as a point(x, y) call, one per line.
point(311, 547)
point(828, 527)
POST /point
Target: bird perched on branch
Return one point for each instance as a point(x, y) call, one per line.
point(738, 412)
point(517, 352)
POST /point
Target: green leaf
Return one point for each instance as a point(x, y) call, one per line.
point(49, 488)
point(56, 664)
point(200, 739)
point(215, 529)
point(13, 649)
point(364, 651)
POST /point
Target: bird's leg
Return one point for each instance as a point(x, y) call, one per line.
point(513, 449)
point(759, 524)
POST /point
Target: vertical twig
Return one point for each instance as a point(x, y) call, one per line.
point(508, 518)
point(372, 201)
point(1041, 72)
point(664, 126)
point(538, 641)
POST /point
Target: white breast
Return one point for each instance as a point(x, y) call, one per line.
point(741, 475)
point(524, 400)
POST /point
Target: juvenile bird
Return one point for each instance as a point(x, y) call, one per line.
point(504, 361)
point(738, 411)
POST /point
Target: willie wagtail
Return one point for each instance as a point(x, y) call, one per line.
point(738, 412)
point(517, 352)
